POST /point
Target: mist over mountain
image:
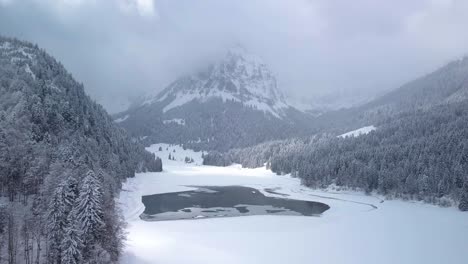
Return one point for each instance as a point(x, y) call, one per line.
point(318, 48)
point(445, 85)
point(234, 102)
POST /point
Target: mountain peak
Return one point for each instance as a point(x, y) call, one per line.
point(239, 76)
point(239, 52)
point(237, 49)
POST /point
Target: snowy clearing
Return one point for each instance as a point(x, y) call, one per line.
point(121, 119)
point(178, 121)
point(356, 229)
point(29, 71)
point(358, 132)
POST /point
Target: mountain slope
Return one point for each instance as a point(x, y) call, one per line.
point(62, 160)
point(418, 150)
point(446, 85)
point(232, 103)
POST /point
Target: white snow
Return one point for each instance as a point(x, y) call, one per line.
point(183, 98)
point(352, 231)
point(180, 100)
point(254, 103)
point(121, 119)
point(5, 45)
point(176, 152)
point(358, 132)
point(186, 97)
point(178, 121)
point(21, 50)
point(18, 54)
point(54, 87)
point(28, 70)
point(199, 140)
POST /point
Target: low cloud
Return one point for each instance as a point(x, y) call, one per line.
point(123, 48)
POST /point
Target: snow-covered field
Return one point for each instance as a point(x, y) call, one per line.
point(358, 132)
point(357, 228)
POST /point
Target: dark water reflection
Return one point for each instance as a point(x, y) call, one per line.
point(223, 201)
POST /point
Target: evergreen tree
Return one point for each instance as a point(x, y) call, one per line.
point(89, 209)
point(463, 206)
point(60, 205)
point(72, 244)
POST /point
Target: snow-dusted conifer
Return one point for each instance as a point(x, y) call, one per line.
point(60, 205)
point(72, 244)
point(89, 209)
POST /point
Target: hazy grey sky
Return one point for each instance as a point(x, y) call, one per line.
point(122, 48)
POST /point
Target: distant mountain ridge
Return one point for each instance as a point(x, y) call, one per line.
point(234, 102)
point(446, 85)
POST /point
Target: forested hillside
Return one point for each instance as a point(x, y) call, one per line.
point(421, 154)
point(446, 85)
point(62, 161)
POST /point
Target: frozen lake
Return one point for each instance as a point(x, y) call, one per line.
point(223, 201)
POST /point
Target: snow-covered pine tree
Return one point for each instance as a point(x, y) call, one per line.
point(71, 245)
point(60, 205)
point(89, 207)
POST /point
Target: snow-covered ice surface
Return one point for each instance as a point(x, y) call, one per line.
point(358, 132)
point(356, 229)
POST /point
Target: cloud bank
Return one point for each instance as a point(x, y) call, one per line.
point(123, 48)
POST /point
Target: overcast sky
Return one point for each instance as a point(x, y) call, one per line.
point(122, 48)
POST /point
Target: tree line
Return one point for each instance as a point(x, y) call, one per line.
point(420, 154)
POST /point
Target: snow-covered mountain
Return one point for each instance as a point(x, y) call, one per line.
point(231, 103)
point(238, 77)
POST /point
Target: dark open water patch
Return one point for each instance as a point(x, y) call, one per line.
point(223, 201)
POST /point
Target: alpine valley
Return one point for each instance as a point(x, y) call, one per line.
point(234, 102)
point(247, 177)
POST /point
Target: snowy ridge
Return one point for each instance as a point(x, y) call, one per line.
point(358, 132)
point(5, 45)
point(238, 77)
point(17, 55)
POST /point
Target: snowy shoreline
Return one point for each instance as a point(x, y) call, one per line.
point(352, 231)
